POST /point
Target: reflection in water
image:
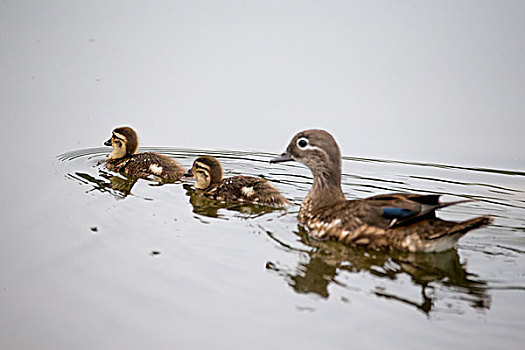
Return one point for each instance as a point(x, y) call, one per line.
point(118, 185)
point(425, 282)
point(203, 205)
point(93, 172)
point(325, 261)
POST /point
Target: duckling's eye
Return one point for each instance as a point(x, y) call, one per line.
point(203, 173)
point(302, 142)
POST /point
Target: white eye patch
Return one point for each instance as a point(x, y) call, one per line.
point(304, 144)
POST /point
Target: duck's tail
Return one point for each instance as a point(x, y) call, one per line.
point(463, 227)
point(449, 238)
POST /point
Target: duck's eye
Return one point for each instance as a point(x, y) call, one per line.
point(302, 142)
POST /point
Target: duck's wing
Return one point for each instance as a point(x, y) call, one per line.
point(403, 208)
point(418, 198)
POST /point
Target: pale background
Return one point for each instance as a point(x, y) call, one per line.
point(431, 81)
point(427, 81)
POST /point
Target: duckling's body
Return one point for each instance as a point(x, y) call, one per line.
point(393, 221)
point(125, 159)
point(208, 175)
point(147, 164)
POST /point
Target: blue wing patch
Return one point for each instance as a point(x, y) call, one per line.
point(397, 213)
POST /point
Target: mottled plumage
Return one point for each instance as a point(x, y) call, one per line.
point(125, 159)
point(393, 221)
point(208, 175)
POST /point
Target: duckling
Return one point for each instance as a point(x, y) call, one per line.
point(208, 175)
point(125, 159)
point(398, 221)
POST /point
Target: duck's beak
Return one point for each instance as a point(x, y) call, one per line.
point(285, 157)
point(108, 142)
point(189, 173)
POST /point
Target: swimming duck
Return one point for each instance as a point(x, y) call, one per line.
point(125, 159)
point(398, 221)
point(208, 175)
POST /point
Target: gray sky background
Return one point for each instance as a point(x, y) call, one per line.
point(435, 81)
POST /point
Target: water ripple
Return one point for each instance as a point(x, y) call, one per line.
point(428, 282)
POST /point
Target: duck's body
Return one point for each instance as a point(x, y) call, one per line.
point(393, 221)
point(126, 160)
point(247, 189)
point(379, 223)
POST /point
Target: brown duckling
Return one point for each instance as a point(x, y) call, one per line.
point(208, 175)
point(125, 159)
point(393, 221)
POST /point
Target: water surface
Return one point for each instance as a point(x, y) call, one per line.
point(153, 260)
point(89, 259)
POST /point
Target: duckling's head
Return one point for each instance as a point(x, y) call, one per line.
point(124, 141)
point(207, 171)
point(316, 149)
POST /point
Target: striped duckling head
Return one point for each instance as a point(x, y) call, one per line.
point(124, 141)
point(207, 171)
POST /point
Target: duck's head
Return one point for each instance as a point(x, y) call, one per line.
point(124, 141)
point(207, 171)
point(316, 149)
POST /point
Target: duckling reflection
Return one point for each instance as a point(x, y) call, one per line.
point(203, 205)
point(118, 186)
point(324, 264)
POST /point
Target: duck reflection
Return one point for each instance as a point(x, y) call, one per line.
point(210, 207)
point(119, 186)
point(323, 264)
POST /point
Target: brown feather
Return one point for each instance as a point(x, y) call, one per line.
point(328, 215)
point(246, 189)
point(143, 164)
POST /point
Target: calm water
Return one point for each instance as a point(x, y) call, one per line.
point(144, 265)
point(89, 259)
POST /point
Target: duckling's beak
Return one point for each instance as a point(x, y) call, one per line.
point(108, 142)
point(285, 157)
point(189, 173)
